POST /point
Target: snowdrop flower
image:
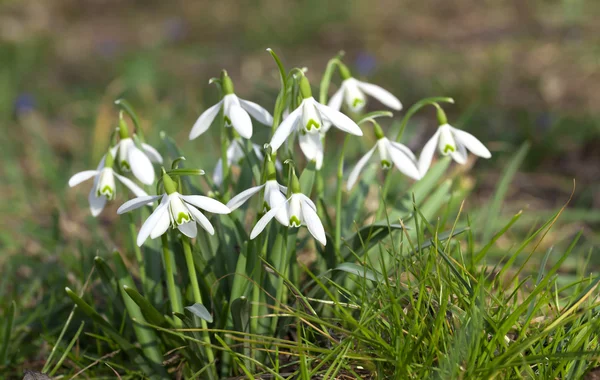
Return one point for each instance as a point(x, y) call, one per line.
point(353, 92)
point(389, 152)
point(274, 195)
point(236, 112)
point(175, 210)
point(104, 184)
point(300, 210)
point(235, 155)
point(132, 159)
point(450, 141)
point(308, 120)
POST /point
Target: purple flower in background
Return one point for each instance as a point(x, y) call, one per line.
point(365, 63)
point(24, 102)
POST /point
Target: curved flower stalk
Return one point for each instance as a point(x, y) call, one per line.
point(390, 152)
point(236, 112)
point(104, 188)
point(300, 210)
point(235, 155)
point(274, 195)
point(175, 210)
point(132, 159)
point(308, 120)
point(353, 93)
point(450, 141)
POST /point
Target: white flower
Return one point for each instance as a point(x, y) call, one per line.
point(453, 142)
point(307, 119)
point(274, 195)
point(389, 152)
point(138, 161)
point(175, 210)
point(352, 92)
point(104, 184)
point(299, 211)
point(235, 155)
point(236, 113)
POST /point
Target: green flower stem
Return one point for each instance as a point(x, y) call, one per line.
point(172, 288)
point(281, 264)
point(138, 252)
point(189, 261)
point(338, 200)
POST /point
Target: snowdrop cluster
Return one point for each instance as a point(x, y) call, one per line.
point(303, 116)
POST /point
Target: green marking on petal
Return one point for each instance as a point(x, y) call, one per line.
point(294, 221)
point(266, 207)
point(312, 123)
point(107, 191)
point(447, 148)
point(125, 166)
point(227, 120)
point(357, 102)
point(183, 217)
point(385, 164)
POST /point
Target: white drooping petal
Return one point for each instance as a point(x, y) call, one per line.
point(446, 143)
point(138, 202)
point(427, 153)
point(141, 167)
point(274, 197)
point(152, 153)
point(161, 226)
point(335, 102)
point(358, 168)
point(135, 189)
point(123, 155)
point(235, 152)
point(240, 120)
point(384, 153)
point(96, 203)
point(339, 120)
point(206, 203)
point(312, 147)
point(381, 94)
point(76, 179)
point(403, 148)
point(354, 97)
point(295, 211)
point(471, 143)
point(262, 222)
point(218, 173)
point(179, 212)
point(153, 220)
point(205, 120)
point(201, 219)
point(235, 202)
point(403, 162)
point(105, 184)
point(189, 229)
point(285, 129)
point(311, 119)
point(260, 114)
point(313, 223)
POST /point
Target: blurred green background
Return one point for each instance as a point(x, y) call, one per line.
point(518, 70)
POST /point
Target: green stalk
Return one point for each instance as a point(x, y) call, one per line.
point(172, 288)
point(281, 264)
point(189, 261)
point(138, 253)
point(338, 200)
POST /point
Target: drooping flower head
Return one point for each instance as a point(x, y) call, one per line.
point(175, 210)
point(236, 112)
point(390, 152)
point(104, 188)
point(130, 158)
point(450, 141)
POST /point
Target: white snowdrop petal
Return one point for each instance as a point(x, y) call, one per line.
point(218, 173)
point(274, 198)
point(262, 223)
point(235, 202)
point(335, 103)
point(312, 147)
point(162, 225)
point(135, 189)
point(201, 219)
point(153, 220)
point(403, 148)
point(285, 129)
point(152, 153)
point(471, 143)
point(77, 178)
point(205, 120)
point(309, 201)
point(189, 229)
point(206, 203)
point(240, 120)
point(339, 120)
point(427, 153)
point(260, 114)
point(138, 202)
point(313, 223)
point(381, 94)
point(403, 162)
point(141, 167)
point(96, 203)
point(359, 168)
